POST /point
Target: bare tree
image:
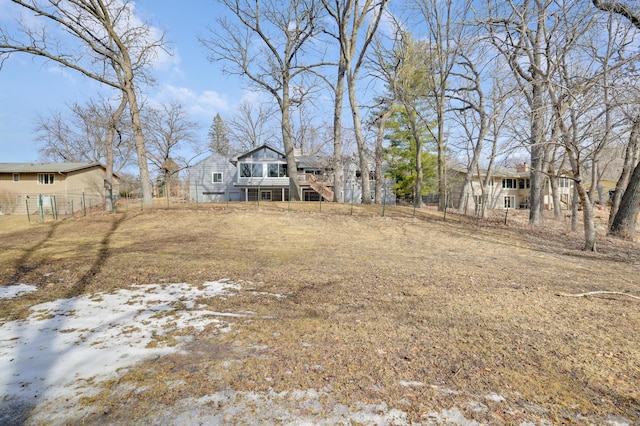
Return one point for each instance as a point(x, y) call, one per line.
point(250, 126)
point(445, 23)
point(623, 222)
point(102, 40)
point(521, 35)
point(88, 134)
point(469, 98)
point(350, 17)
point(267, 45)
point(83, 133)
point(168, 128)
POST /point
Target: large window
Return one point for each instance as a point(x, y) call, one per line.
point(216, 177)
point(251, 170)
point(45, 178)
point(564, 183)
point(277, 170)
point(524, 183)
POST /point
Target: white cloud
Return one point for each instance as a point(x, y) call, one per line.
point(203, 105)
point(63, 72)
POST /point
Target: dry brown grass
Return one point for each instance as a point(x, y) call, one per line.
point(465, 309)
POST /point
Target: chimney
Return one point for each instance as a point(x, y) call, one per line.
point(522, 168)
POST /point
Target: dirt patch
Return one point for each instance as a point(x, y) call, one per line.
point(410, 319)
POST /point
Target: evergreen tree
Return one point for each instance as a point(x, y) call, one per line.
point(401, 155)
point(218, 137)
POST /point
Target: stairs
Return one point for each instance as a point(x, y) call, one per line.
point(320, 188)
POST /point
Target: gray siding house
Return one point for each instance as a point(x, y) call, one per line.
point(212, 179)
point(261, 174)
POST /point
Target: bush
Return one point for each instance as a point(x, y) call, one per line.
point(8, 202)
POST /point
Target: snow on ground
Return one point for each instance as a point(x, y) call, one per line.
point(66, 347)
point(16, 290)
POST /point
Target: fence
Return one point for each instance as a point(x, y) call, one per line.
point(42, 206)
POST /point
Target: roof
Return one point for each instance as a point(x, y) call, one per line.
point(45, 167)
point(252, 150)
point(312, 162)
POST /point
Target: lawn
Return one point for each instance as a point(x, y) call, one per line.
point(339, 314)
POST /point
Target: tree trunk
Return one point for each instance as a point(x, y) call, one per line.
point(417, 200)
point(292, 167)
point(624, 222)
point(338, 167)
point(110, 136)
point(630, 161)
point(587, 205)
point(442, 178)
point(379, 153)
point(141, 150)
point(575, 198)
point(362, 149)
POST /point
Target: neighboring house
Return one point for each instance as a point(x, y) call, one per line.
point(261, 174)
point(65, 185)
point(511, 189)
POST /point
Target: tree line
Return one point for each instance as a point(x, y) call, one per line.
point(427, 85)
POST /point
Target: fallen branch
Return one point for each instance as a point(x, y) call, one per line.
point(598, 293)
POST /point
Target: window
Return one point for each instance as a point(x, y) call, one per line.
point(524, 183)
point(509, 202)
point(478, 199)
point(277, 170)
point(45, 178)
point(216, 177)
point(509, 183)
point(245, 170)
point(256, 170)
point(265, 195)
point(16, 177)
point(563, 183)
point(251, 170)
point(491, 182)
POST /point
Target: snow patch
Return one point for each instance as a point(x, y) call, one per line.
point(13, 291)
point(66, 347)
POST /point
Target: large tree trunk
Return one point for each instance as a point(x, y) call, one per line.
point(109, 160)
point(379, 153)
point(537, 176)
point(362, 149)
point(624, 222)
point(417, 201)
point(338, 167)
point(138, 137)
point(587, 205)
point(442, 171)
point(287, 140)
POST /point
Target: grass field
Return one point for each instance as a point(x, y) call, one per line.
point(406, 313)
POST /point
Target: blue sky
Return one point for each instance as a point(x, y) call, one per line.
point(30, 86)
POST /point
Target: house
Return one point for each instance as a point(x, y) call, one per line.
point(67, 186)
point(261, 174)
point(511, 189)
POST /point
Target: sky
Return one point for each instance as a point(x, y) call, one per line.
point(30, 87)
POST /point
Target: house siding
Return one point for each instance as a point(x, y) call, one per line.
point(68, 191)
point(201, 185)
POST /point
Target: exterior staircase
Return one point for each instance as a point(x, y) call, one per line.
point(320, 188)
